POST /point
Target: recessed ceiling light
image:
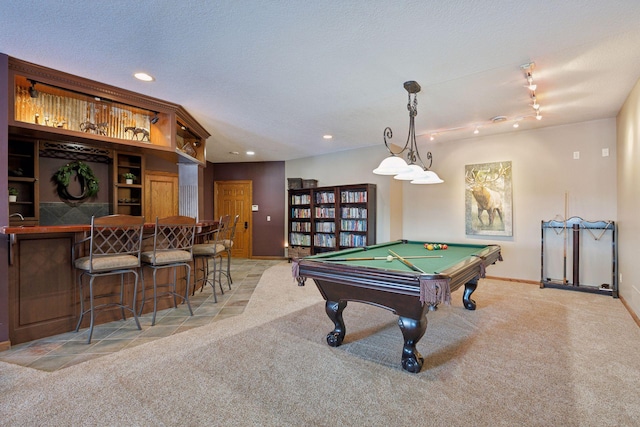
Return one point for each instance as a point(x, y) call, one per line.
point(144, 77)
point(250, 153)
point(235, 153)
point(327, 136)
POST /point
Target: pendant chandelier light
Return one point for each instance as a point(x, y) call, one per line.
point(415, 170)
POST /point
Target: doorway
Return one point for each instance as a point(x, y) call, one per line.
point(234, 198)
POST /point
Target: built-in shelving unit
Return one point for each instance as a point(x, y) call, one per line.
point(128, 196)
point(22, 157)
point(325, 219)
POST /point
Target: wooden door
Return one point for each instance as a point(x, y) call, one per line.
point(160, 195)
point(234, 198)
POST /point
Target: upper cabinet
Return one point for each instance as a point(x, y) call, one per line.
point(188, 138)
point(50, 104)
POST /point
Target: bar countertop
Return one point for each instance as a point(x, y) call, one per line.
point(71, 228)
point(37, 229)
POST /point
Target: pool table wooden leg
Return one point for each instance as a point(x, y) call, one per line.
point(334, 311)
point(412, 331)
point(469, 288)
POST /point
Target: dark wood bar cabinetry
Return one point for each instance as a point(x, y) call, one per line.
point(49, 119)
point(43, 294)
point(42, 289)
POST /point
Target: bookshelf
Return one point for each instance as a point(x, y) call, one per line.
point(324, 219)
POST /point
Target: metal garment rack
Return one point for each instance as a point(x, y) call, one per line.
point(575, 225)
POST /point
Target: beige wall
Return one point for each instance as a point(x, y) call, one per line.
point(543, 171)
point(628, 139)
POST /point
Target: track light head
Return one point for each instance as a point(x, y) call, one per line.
point(33, 93)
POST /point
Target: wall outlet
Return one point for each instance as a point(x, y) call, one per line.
point(605, 152)
point(576, 155)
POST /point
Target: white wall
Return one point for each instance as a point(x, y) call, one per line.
point(543, 171)
point(628, 123)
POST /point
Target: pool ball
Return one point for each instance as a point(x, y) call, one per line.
point(389, 258)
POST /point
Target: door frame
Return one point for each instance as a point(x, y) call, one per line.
point(216, 204)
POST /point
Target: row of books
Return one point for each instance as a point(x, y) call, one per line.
point(353, 213)
point(325, 197)
point(304, 227)
point(353, 225)
point(348, 239)
point(325, 227)
point(325, 212)
point(330, 197)
point(328, 240)
point(300, 213)
point(299, 239)
point(325, 240)
point(300, 199)
point(330, 226)
point(353, 197)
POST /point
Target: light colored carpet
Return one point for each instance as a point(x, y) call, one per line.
point(526, 356)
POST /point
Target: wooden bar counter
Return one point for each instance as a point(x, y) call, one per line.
point(43, 293)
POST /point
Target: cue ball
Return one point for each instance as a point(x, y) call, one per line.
point(389, 258)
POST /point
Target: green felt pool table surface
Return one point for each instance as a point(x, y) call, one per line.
point(441, 260)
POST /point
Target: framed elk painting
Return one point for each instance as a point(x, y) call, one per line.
point(488, 201)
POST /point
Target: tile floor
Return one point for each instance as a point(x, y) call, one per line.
point(60, 351)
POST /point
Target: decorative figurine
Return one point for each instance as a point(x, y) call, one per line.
point(100, 128)
point(136, 131)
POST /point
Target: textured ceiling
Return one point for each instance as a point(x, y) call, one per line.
point(275, 76)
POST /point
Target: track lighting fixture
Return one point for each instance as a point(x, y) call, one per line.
point(531, 86)
point(528, 75)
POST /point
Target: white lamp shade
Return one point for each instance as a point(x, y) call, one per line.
point(429, 178)
point(415, 173)
point(392, 166)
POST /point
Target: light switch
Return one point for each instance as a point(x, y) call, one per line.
point(268, 217)
point(576, 155)
point(605, 152)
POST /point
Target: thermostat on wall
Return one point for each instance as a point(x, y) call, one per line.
point(254, 208)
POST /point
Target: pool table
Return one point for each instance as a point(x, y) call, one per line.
point(401, 276)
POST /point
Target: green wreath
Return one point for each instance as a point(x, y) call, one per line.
point(86, 178)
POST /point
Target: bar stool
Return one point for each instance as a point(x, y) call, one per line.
point(206, 250)
point(227, 241)
point(172, 248)
point(114, 249)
